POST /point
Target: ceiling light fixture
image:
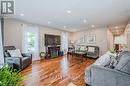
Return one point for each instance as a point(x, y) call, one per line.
point(69, 11)
point(21, 14)
point(93, 26)
point(84, 21)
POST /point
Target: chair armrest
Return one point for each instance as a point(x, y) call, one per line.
point(13, 59)
point(103, 76)
point(27, 55)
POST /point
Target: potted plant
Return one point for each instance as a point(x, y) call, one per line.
point(42, 55)
point(10, 77)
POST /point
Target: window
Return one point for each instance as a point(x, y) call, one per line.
point(31, 41)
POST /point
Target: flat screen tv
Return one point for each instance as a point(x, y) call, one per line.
point(52, 39)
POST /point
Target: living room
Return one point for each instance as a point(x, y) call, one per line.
point(68, 42)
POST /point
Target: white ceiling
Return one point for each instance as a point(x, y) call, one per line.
point(97, 12)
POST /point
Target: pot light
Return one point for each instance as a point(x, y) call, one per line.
point(49, 22)
point(84, 21)
point(69, 11)
point(21, 14)
point(92, 26)
point(64, 26)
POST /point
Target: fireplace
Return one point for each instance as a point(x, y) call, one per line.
point(52, 43)
point(53, 51)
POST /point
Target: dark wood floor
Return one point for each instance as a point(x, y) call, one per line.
point(56, 72)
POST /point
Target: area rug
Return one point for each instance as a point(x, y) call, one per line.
point(71, 84)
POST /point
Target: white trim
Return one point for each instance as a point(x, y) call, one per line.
point(1, 47)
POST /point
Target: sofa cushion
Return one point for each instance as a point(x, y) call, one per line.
point(77, 48)
point(15, 53)
point(91, 49)
point(124, 64)
point(83, 48)
point(104, 60)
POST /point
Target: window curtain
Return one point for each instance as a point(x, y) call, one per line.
point(64, 42)
point(1, 48)
point(35, 30)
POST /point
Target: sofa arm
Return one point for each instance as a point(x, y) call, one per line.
point(27, 55)
point(16, 60)
point(103, 76)
point(13, 60)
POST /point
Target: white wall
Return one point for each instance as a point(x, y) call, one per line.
point(13, 33)
point(1, 47)
point(101, 38)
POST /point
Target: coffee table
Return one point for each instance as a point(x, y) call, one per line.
point(79, 54)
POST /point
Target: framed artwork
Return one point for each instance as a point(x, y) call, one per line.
point(81, 40)
point(90, 39)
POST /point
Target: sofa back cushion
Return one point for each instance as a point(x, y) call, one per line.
point(6, 48)
point(124, 63)
point(91, 49)
point(104, 60)
point(83, 48)
point(77, 48)
point(15, 53)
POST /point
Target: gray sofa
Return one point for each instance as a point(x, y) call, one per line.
point(19, 63)
point(96, 75)
point(89, 54)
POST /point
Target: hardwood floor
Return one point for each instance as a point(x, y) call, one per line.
point(56, 72)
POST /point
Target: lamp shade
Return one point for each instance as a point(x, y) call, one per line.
point(120, 40)
point(72, 42)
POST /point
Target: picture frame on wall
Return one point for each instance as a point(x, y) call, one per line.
point(81, 40)
point(90, 39)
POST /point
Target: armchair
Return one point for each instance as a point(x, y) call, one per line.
point(19, 62)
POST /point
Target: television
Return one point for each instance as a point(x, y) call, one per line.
point(52, 39)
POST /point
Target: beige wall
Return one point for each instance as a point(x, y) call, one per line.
point(43, 31)
point(110, 40)
point(13, 33)
point(127, 34)
point(101, 38)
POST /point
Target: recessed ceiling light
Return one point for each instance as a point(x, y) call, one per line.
point(64, 26)
point(69, 11)
point(92, 26)
point(49, 22)
point(21, 14)
point(84, 21)
point(116, 27)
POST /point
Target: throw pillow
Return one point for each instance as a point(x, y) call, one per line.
point(15, 53)
point(77, 48)
point(91, 49)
